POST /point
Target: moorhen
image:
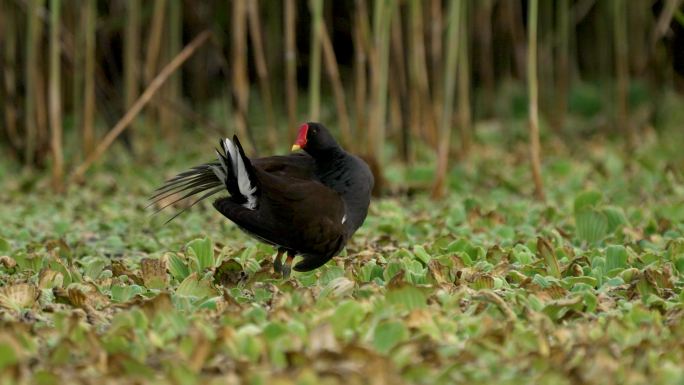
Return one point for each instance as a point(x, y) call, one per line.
point(306, 204)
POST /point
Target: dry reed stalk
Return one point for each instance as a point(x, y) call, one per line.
point(132, 55)
point(361, 50)
point(291, 66)
point(42, 128)
point(533, 89)
point(562, 66)
point(168, 120)
point(262, 71)
point(382, 18)
point(239, 71)
point(42, 124)
point(622, 72)
point(464, 84)
point(10, 75)
point(315, 63)
point(153, 47)
point(483, 20)
point(394, 118)
point(149, 92)
point(55, 98)
point(581, 9)
point(42, 119)
point(453, 31)
point(77, 64)
point(436, 29)
point(338, 88)
point(400, 91)
point(664, 20)
point(187, 113)
point(31, 79)
point(422, 114)
point(545, 59)
point(90, 10)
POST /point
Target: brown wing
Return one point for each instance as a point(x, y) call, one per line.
point(297, 214)
point(299, 165)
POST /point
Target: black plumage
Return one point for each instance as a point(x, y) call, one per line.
point(307, 204)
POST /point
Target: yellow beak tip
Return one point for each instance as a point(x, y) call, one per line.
point(296, 147)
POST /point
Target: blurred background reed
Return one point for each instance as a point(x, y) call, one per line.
point(397, 80)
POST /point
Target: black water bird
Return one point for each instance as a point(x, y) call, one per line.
point(306, 203)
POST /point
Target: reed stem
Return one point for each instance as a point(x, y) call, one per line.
point(315, 63)
point(535, 151)
point(453, 30)
point(90, 10)
point(56, 98)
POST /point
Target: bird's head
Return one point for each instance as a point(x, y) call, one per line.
point(315, 139)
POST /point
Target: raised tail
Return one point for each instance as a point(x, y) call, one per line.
point(237, 173)
point(233, 171)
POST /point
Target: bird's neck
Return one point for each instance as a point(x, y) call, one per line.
point(331, 164)
point(329, 157)
point(337, 172)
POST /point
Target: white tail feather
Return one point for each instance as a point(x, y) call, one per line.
point(247, 189)
point(232, 151)
point(220, 174)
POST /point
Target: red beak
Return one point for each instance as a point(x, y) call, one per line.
point(300, 143)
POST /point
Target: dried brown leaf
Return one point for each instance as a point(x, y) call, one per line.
point(492, 297)
point(118, 269)
point(154, 273)
point(18, 296)
point(7, 262)
point(481, 281)
point(48, 279)
point(84, 296)
point(322, 339)
point(438, 271)
point(397, 281)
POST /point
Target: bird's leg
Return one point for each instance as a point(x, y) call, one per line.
point(287, 267)
point(278, 263)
